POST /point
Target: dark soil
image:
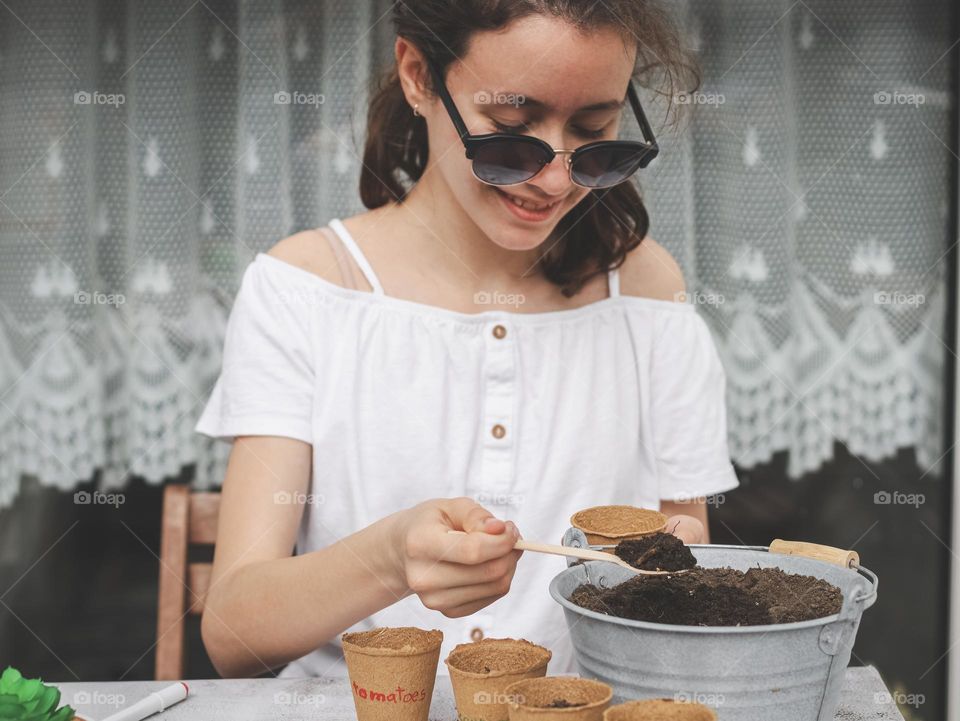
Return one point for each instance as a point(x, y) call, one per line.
point(656, 552)
point(715, 597)
point(497, 654)
point(562, 703)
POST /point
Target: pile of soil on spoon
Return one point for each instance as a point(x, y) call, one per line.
point(715, 597)
point(656, 552)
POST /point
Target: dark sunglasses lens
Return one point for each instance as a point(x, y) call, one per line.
point(505, 162)
point(604, 166)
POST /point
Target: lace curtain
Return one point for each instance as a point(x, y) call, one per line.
point(148, 150)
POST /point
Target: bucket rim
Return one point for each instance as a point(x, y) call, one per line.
point(866, 599)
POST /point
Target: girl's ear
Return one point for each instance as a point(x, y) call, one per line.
point(411, 69)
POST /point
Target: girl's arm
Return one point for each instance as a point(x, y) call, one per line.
point(266, 607)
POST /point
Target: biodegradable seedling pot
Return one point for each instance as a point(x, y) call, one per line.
point(608, 525)
point(392, 672)
point(558, 698)
point(659, 709)
point(481, 671)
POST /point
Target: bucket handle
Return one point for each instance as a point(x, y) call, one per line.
point(844, 558)
point(870, 596)
point(816, 551)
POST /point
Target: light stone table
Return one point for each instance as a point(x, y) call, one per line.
point(329, 699)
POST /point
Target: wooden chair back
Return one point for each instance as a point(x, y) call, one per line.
point(189, 519)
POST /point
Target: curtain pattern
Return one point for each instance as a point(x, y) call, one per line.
point(148, 150)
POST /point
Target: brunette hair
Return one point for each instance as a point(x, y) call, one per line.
point(601, 229)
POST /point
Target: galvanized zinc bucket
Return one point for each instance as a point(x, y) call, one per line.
point(778, 672)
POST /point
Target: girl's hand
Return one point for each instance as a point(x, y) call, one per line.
point(687, 528)
point(455, 574)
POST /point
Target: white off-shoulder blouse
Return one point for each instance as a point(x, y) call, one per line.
point(534, 415)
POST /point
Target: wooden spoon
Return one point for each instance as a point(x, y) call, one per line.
point(584, 554)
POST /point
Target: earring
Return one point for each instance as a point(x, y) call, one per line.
point(416, 110)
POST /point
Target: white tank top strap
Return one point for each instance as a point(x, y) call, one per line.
point(361, 260)
point(613, 281)
point(350, 274)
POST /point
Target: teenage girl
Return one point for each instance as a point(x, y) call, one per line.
point(495, 344)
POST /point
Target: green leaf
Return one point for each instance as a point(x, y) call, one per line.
point(9, 680)
point(64, 714)
point(9, 709)
point(48, 700)
point(29, 689)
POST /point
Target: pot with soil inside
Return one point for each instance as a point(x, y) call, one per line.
point(558, 698)
point(392, 672)
point(481, 671)
point(766, 636)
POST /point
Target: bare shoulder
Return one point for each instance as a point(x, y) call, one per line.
point(311, 252)
point(649, 271)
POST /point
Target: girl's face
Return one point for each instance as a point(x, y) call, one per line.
point(539, 76)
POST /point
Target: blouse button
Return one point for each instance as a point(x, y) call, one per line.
point(499, 331)
point(498, 431)
point(476, 633)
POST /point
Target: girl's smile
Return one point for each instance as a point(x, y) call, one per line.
point(528, 210)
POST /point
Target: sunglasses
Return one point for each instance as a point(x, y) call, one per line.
point(507, 159)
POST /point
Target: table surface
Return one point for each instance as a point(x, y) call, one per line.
point(864, 698)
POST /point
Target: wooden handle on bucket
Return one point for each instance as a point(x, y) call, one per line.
point(819, 552)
